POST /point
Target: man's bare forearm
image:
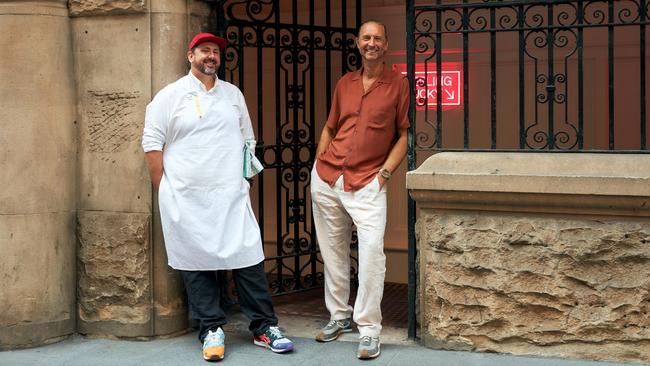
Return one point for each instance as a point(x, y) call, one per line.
point(155, 165)
point(395, 156)
point(325, 139)
point(397, 153)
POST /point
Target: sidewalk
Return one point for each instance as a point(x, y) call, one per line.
point(186, 350)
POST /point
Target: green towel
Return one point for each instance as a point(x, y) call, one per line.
point(252, 166)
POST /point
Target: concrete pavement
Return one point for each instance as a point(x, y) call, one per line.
point(186, 350)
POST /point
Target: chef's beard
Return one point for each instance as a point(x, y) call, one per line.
point(204, 69)
point(208, 70)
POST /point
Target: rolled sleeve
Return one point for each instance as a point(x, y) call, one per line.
point(335, 110)
point(155, 120)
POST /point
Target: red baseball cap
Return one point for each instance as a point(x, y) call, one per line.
point(206, 37)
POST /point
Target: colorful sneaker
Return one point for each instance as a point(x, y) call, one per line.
point(213, 345)
point(274, 340)
point(368, 347)
point(333, 330)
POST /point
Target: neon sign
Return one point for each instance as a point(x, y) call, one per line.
point(426, 87)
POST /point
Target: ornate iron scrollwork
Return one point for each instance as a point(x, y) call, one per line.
point(550, 64)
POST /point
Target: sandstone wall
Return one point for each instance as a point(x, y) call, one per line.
point(536, 285)
point(524, 255)
point(125, 51)
point(37, 175)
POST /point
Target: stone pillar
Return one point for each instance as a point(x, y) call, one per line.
point(125, 51)
point(536, 254)
point(169, 37)
point(37, 174)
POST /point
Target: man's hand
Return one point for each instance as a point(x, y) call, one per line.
point(381, 180)
point(326, 138)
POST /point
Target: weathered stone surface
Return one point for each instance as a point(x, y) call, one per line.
point(104, 7)
point(37, 179)
point(111, 124)
point(114, 89)
point(535, 285)
point(114, 267)
point(37, 290)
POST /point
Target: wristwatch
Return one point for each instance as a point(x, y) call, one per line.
point(385, 173)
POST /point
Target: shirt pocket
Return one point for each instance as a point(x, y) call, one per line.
point(381, 118)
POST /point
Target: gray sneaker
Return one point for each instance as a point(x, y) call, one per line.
point(368, 347)
point(333, 330)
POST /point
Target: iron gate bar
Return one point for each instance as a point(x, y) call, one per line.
point(438, 78)
point(550, 80)
point(466, 85)
point(487, 4)
point(581, 102)
point(610, 62)
point(521, 58)
point(555, 27)
point(411, 165)
point(313, 258)
point(493, 79)
point(642, 96)
point(533, 151)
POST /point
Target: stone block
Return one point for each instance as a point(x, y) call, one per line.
point(113, 83)
point(37, 291)
point(169, 6)
point(106, 7)
point(168, 49)
point(114, 274)
point(37, 159)
point(570, 287)
point(536, 254)
point(37, 116)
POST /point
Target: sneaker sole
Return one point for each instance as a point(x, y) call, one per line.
point(276, 350)
point(367, 356)
point(213, 358)
point(346, 330)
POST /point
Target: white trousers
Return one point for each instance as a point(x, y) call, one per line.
point(334, 212)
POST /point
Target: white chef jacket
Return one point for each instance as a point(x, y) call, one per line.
point(205, 208)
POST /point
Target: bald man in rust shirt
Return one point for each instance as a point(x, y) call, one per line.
point(363, 142)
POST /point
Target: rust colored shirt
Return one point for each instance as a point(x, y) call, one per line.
point(365, 126)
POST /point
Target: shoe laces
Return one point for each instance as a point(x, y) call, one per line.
point(213, 337)
point(338, 323)
point(275, 332)
point(366, 340)
point(332, 323)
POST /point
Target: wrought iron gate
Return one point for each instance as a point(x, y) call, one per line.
point(286, 56)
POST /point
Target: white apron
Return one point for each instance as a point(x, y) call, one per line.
point(205, 209)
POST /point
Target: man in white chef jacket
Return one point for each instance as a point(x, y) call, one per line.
point(194, 135)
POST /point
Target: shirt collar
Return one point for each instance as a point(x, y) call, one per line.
point(196, 83)
point(383, 78)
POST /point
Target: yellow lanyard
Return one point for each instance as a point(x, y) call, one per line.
point(198, 106)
